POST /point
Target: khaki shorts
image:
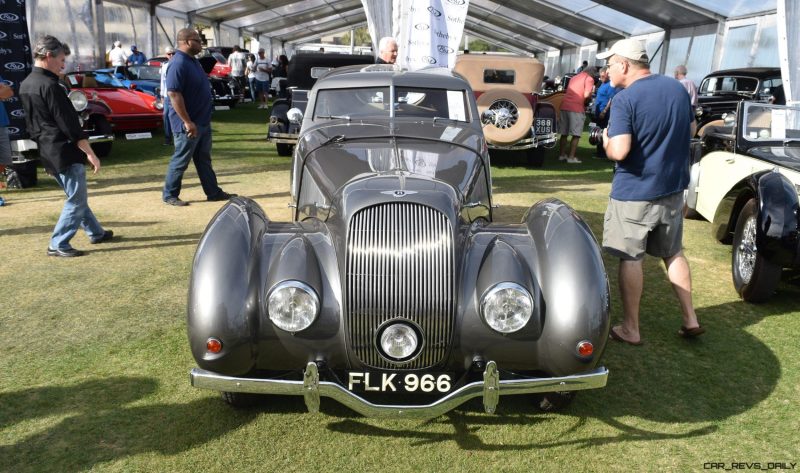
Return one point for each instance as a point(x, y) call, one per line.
point(571, 123)
point(633, 228)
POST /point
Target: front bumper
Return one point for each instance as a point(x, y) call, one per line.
point(288, 138)
point(535, 141)
point(311, 388)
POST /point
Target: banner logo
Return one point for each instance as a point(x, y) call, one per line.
point(18, 113)
point(15, 66)
point(444, 49)
point(434, 12)
point(422, 26)
point(9, 17)
point(456, 2)
point(12, 130)
point(428, 59)
point(3, 35)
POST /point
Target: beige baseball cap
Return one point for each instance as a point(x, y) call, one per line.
point(629, 48)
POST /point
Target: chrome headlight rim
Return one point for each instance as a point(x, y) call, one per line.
point(399, 321)
point(297, 285)
point(294, 115)
point(79, 100)
point(488, 297)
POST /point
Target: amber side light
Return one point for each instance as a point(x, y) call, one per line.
point(213, 345)
point(585, 348)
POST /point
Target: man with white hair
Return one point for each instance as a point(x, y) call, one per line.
point(117, 56)
point(688, 84)
point(387, 51)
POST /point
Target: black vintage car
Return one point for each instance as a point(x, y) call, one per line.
point(225, 91)
point(392, 291)
point(720, 92)
point(287, 112)
point(746, 183)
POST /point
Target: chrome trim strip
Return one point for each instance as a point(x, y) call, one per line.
point(289, 138)
point(594, 379)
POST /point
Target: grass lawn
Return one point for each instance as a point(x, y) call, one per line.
point(95, 359)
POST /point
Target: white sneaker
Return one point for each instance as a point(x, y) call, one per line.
point(574, 161)
point(563, 157)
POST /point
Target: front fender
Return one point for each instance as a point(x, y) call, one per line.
point(777, 221)
point(569, 267)
point(223, 288)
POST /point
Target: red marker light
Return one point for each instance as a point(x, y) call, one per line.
point(213, 345)
point(585, 348)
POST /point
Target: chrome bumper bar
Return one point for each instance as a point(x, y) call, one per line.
point(535, 141)
point(288, 138)
point(100, 138)
point(311, 388)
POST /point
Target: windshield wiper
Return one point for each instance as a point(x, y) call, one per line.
point(334, 117)
point(334, 139)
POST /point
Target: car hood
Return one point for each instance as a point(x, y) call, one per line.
point(125, 101)
point(783, 156)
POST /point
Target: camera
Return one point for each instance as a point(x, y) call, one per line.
point(596, 135)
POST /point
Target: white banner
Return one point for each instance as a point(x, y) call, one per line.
point(430, 32)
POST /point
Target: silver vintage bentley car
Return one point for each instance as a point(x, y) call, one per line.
point(392, 291)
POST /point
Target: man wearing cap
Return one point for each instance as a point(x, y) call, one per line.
point(117, 56)
point(190, 106)
point(648, 136)
point(136, 57)
point(262, 69)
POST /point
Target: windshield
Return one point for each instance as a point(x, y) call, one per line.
point(220, 58)
point(144, 72)
point(97, 80)
point(764, 123)
point(729, 85)
point(374, 102)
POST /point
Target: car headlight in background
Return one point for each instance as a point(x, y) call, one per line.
point(507, 307)
point(158, 105)
point(79, 100)
point(295, 115)
point(292, 306)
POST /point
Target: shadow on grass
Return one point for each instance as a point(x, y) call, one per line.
point(38, 229)
point(99, 425)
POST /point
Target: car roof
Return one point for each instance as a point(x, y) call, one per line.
point(758, 72)
point(382, 75)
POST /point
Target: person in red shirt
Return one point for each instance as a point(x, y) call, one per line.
point(573, 113)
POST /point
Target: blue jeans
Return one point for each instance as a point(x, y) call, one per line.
point(197, 149)
point(76, 212)
point(253, 91)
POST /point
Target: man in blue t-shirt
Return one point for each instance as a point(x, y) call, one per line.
point(648, 136)
point(190, 121)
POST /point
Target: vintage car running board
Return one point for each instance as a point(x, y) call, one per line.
point(311, 389)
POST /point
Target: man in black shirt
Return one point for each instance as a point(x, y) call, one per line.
point(54, 125)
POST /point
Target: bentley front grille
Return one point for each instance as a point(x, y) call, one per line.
point(400, 265)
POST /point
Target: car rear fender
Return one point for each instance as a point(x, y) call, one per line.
point(569, 267)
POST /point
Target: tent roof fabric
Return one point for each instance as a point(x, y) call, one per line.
point(532, 26)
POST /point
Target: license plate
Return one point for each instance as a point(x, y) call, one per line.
point(543, 126)
point(387, 382)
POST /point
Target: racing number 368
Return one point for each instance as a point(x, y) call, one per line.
point(389, 382)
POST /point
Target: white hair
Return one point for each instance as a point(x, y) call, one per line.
point(384, 43)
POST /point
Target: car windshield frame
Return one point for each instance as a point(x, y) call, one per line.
point(408, 102)
point(135, 74)
point(764, 124)
point(721, 80)
point(103, 80)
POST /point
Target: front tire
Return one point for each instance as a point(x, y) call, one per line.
point(754, 278)
point(241, 400)
point(101, 125)
point(284, 149)
point(554, 402)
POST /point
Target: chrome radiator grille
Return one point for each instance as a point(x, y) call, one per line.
point(400, 265)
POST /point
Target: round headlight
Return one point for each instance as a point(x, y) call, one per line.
point(294, 115)
point(507, 307)
point(292, 306)
point(79, 100)
point(399, 341)
point(158, 105)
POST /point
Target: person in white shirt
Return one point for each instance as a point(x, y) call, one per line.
point(688, 84)
point(117, 56)
point(169, 51)
point(262, 69)
point(250, 70)
point(237, 61)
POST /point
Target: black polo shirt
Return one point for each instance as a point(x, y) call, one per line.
point(51, 119)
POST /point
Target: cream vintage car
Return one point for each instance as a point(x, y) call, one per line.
point(746, 183)
point(514, 116)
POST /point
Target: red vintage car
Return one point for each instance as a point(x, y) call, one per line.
point(131, 110)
